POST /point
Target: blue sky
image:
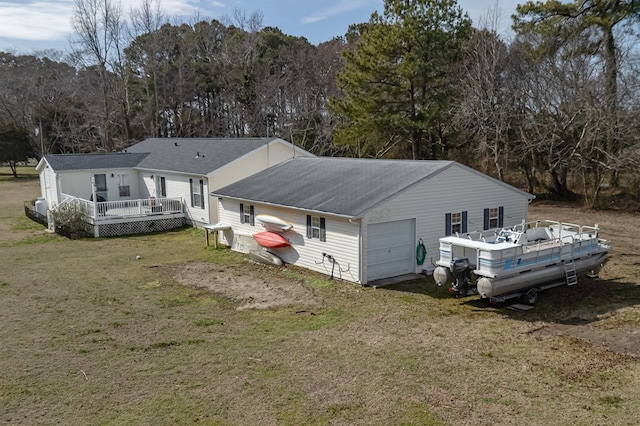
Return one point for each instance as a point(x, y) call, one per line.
point(31, 25)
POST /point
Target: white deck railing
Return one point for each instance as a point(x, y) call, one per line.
point(105, 210)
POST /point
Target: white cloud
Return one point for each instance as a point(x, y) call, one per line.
point(173, 7)
point(343, 6)
point(36, 20)
point(51, 20)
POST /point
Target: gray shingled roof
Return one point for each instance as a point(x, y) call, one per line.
point(179, 154)
point(187, 155)
point(114, 160)
point(343, 186)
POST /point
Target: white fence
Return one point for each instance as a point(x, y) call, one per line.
point(106, 210)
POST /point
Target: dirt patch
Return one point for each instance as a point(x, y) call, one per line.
point(620, 287)
point(624, 340)
point(257, 287)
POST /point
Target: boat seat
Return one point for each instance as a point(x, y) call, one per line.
point(539, 234)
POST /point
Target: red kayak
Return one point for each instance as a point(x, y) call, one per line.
point(270, 239)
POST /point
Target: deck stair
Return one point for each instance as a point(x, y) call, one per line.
point(570, 272)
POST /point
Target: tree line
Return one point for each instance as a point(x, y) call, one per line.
point(552, 109)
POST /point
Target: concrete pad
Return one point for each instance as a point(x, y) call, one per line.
point(394, 280)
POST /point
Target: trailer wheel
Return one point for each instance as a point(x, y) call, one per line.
point(530, 297)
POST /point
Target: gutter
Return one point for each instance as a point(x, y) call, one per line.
point(350, 218)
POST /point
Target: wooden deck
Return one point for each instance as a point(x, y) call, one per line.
point(121, 209)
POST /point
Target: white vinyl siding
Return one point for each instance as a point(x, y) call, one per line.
point(342, 239)
point(178, 186)
point(455, 189)
point(252, 163)
point(78, 183)
point(247, 165)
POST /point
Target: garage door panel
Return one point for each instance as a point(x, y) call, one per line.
point(390, 248)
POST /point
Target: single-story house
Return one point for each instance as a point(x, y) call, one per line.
point(168, 176)
point(363, 220)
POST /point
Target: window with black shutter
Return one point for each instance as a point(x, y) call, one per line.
point(247, 215)
point(317, 227)
point(493, 218)
point(455, 223)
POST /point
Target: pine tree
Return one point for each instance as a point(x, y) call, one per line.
point(396, 82)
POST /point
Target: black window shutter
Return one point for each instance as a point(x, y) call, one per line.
point(163, 186)
point(500, 217)
point(251, 216)
point(464, 222)
point(201, 194)
point(486, 219)
point(447, 224)
point(323, 229)
point(309, 231)
point(191, 191)
point(241, 213)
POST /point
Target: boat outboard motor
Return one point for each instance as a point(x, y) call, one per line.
point(461, 269)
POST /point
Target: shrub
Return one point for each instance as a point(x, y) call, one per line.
point(71, 220)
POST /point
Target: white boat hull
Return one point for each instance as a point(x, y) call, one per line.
point(273, 223)
point(492, 287)
point(267, 257)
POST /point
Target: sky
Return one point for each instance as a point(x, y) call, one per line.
point(28, 26)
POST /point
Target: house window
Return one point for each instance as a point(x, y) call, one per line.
point(455, 223)
point(493, 217)
point(197, 193)
point(316, 227)
point(161, 188)
point(247, 215)
point(123, 186)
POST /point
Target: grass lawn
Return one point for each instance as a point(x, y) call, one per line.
point(93, 335)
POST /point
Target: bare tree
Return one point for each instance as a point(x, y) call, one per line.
point(142, 63)
point(98, 27)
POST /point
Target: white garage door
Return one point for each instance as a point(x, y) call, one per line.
point(390, 249)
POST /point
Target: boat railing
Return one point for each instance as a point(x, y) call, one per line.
point(532, 254)
point(562, 241)
point(477, 235)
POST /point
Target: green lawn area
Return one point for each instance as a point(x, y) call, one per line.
point(91, 334)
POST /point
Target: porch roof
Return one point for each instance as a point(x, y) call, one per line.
point(96, 161)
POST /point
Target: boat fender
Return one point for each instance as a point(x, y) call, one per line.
point(442, 276)
point(421, 252)
point(486, 287)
